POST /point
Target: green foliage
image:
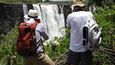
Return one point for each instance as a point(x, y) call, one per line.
point(61, 48)
point(21, 1)
point(101, 58)
point(100, 2)
point(105, 18)
point(7, 44)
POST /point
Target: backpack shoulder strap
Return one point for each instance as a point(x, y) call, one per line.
point(33, 26)
point(40, 43)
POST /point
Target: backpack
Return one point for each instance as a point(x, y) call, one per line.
point(93, 37)
point(26, 43)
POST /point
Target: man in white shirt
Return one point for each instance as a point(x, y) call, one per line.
point(78, 54)
point(40, 58)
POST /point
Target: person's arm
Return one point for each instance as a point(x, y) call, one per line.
point(44, 35)
point(68, 21)
point(42, 31)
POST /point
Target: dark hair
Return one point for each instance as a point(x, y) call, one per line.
point(78, 8)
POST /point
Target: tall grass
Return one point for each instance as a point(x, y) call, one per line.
point(7, 44)
point(8, 47)
point(20, 1)
point(105, 19)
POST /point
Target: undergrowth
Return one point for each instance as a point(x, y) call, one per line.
point(104, 17)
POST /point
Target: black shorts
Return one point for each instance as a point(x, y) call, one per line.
point(76, 58)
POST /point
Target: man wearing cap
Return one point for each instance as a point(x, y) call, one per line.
point(40, 58)
point(78, 54)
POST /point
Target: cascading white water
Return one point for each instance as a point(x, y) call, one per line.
point(52, 19)
point(25, 9)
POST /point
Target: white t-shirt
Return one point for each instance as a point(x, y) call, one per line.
point(76, 21)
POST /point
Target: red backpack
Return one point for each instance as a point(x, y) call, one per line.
point(26, 43)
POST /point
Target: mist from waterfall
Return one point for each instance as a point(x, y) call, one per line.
point(52, 17)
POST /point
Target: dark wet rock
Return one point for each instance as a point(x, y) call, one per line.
point(10, 14)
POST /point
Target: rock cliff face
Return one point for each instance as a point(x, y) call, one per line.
point(9, 15)
point(67, 10)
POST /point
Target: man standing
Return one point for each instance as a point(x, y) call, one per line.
point(76, 20)
point(40, 57)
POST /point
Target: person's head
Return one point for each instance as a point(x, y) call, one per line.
point(32, 14)
point(79, 6)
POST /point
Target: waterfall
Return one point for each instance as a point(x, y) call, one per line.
point(25, 9)
point(52, 19)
